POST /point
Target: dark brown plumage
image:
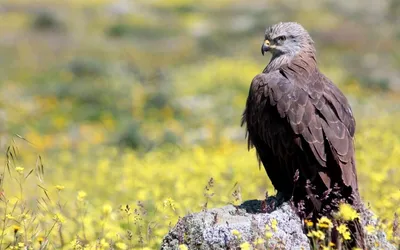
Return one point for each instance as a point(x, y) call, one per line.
point(299, 121)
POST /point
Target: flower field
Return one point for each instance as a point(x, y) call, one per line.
point(117, 118)
point(126, 200)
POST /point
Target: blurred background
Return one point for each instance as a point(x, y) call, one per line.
point(142, 89)
point(140, 74)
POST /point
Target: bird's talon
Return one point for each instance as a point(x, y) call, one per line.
point(273, 202)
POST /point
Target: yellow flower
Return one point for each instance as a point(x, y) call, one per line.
point(245, 246)
point(320, 235)
point(20, 170)
point(121, 245)
point(59, 187)
point(324, 222)
point(235, 232)
point(344, 231)
point(14, 200)
point(59, 218)
point(104, 243)
point(370, 229)
point(316, 234)
point(21, 245)
point(347, 212)
point(259, 241)
point(107, 209)
point(16, 228)
point(169, 203)
point(274, 224)
point(40, 239)
point(10, 217)
point(81, 195)
point(183, 247)
point(268, 234)
point(309, 223)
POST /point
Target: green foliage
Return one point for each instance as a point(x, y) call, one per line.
point(47, 21)
point(131, 136)
point(87, 68)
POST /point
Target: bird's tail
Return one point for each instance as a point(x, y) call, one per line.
point(355, 226)
point(357, 234)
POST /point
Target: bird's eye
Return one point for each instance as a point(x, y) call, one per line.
point(279, 39)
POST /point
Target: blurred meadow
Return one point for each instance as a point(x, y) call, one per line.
point(119, 117)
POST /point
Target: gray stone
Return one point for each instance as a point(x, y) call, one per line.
point(212, 229)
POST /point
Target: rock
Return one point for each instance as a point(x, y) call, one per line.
point(215, 229)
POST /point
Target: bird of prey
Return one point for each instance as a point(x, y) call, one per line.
point(301, 126)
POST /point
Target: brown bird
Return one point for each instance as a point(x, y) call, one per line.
point(302, 128)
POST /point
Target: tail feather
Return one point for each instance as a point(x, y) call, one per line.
point(358, 235)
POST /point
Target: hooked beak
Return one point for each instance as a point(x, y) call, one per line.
point(265, 47)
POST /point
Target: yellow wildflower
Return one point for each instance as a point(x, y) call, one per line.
point(347, 212)
point(107, 209)
point(344, 231)
point(183, 247)
point(320, 235)
point(59, 218)
point(121, 245)
point(236, 233)
point(59, 187)
point(16, 228)
point(268, 234)
point(259, 241)
point(19, 170)
point(274, 224)
point(324, 222)
point(104, 243)
point(40, 239)
point(10, 217)
point(370, 229)
point(309, 223)
point(169, 203)
point(245, 246)
point(14, 200)
point(316, 234)
point(81, 195)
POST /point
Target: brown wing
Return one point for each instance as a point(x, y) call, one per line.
point(317, 111)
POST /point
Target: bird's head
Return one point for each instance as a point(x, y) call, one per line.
point(288, 38)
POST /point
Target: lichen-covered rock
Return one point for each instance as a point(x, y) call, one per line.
point(229, 227)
